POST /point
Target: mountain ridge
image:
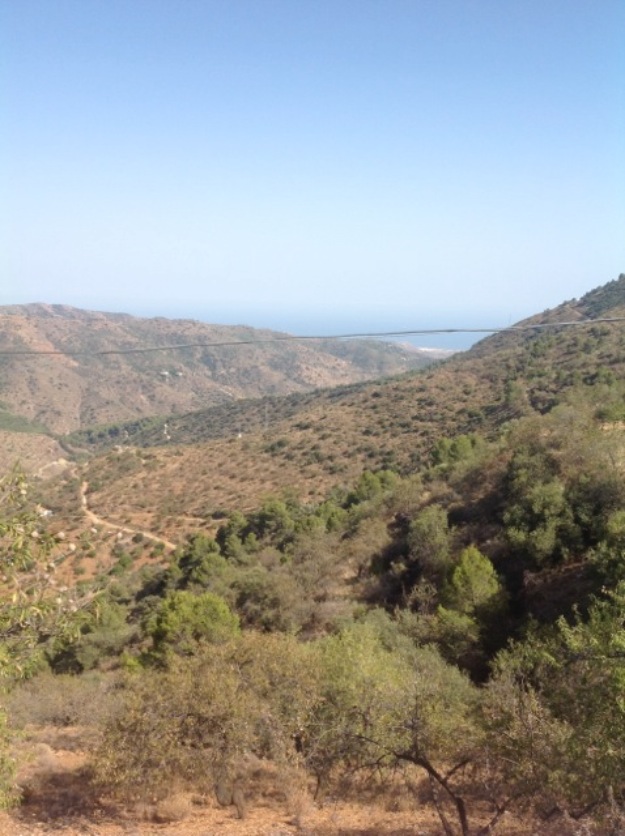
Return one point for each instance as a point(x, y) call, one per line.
point(57, 390)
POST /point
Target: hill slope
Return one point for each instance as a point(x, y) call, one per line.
point(501, 376)
point(227, 458)
point(66, 392)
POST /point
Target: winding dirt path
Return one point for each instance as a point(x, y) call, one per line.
point(96, 520)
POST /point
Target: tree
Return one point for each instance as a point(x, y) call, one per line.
point(429, 541)
point(384, 707)
point(539, 521)
point(27, 575)
point(371, 486)
point(31, 605)
point(183, 620)
point(103, 633)
point(274, 521)
point(555, 714)
point(200, 564)
point(473, 584)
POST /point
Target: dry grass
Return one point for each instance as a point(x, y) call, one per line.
point(36, 453)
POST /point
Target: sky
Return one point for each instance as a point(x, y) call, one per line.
point(314, 166)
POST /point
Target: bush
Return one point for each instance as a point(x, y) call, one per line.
point(389, 707)
point(554, 713)
point(183, 620)
point(102, 635)
point(63, 700)
point(201, 718)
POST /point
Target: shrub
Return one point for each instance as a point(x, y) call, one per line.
point(183, 620)
point(63, 699)
point(386, 707)
point(30, 606)
point(201, 718)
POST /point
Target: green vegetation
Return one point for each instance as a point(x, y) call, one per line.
point(456, 618)
point(31, 608)
point(18, 424)
point(442, 612)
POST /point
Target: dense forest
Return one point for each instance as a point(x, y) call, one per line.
point(459, 618)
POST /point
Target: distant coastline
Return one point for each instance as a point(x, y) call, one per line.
point(336, 323)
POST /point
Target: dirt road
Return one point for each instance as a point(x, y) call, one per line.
point(96, 520)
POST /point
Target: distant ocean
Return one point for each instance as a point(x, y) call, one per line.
point(337, 324)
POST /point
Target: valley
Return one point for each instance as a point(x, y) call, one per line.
point(408, 587)
point(50, 356)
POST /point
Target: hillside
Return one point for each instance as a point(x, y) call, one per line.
point(511, 371)
point(307, 443)
point(88, 386)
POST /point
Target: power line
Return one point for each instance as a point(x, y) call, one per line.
point(309, 338)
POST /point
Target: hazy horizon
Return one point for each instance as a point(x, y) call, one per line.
point(336, 323)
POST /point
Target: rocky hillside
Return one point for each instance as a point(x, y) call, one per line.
point(79, 383)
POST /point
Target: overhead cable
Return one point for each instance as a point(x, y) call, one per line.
point(307, 338)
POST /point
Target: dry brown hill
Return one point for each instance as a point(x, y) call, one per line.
point(215, 461)
point(86, 386)
point(32, 452)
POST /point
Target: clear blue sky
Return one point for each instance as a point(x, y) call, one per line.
point(312, 163)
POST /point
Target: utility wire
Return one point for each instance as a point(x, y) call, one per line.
point(309, 338)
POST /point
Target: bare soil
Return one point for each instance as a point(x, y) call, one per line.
point(58, 797)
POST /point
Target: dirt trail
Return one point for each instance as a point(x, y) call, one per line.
point(53, 468)
point(96, 520)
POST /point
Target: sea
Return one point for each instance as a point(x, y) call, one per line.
point(453, 331)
